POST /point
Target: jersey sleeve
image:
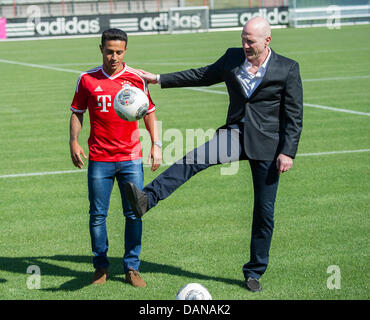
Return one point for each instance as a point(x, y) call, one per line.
point(151, 103)
point(79, 103)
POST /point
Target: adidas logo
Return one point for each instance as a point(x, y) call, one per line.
point(98, 89)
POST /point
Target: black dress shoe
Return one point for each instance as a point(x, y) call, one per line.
point(137, 199)
point(253, 284)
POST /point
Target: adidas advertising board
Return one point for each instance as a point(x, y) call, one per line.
point(161, 22)
point(53, 26)
point(139, 22)
point(67, 26)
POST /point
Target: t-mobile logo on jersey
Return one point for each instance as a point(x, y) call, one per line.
point(104, 101)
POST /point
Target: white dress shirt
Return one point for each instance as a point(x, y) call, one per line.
point(249, 80)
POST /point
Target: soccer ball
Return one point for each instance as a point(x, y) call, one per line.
point(193, 291)
point(131, 103)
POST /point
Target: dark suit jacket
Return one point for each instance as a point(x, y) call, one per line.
point(273, 113)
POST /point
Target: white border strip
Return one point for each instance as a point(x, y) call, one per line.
point(33, 174)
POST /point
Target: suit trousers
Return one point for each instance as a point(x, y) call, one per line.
point(226, 146)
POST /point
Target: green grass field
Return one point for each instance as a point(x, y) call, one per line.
point(202, 232)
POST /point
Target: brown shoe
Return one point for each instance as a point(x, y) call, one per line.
point(133, 278)
point(100, 276)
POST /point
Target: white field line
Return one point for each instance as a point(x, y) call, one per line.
point(331, 152)
point(32, 174)
point(46, 173)
point(202, 89)
point(337, 78)
point(305, 104)
point(320, 79)
point(336, 109)
point(131, 63)
point(39, 66)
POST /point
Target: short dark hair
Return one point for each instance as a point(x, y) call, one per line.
point(113, 34)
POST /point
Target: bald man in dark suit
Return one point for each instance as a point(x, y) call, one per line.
point(263, 126)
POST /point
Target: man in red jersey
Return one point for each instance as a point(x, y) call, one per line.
point(114, 151)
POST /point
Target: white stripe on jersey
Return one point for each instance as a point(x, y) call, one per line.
point(114, 76)
point(136, 72)
point(77, 110)
point(83, 73)
point(151, 110)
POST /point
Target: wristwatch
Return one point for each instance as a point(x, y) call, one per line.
point(158, 143)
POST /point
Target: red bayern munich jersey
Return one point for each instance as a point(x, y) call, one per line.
point(112, 139)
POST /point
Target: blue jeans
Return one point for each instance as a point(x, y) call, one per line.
point(101, 176)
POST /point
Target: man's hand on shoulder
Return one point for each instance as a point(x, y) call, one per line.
point(150, 77)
